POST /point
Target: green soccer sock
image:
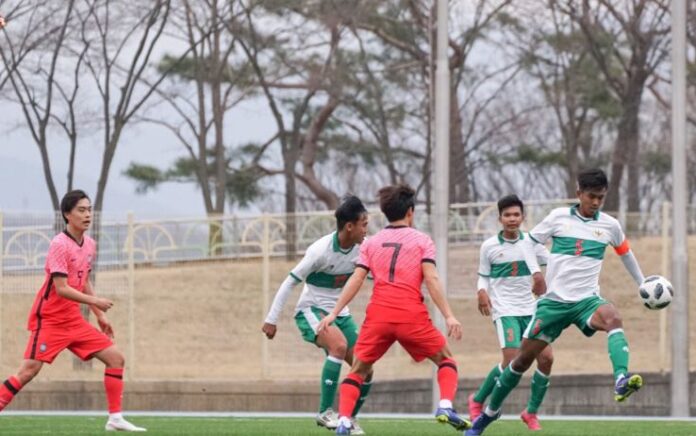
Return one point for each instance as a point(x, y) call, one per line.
point(618, 352)
point(364, 391)
point(505, 384)
point(488, 384)
point(540, 383)
point(329, 382)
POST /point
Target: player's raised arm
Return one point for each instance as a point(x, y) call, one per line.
point(66, 291)
point(623, 249)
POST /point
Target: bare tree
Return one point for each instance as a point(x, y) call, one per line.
point(628, 44)
point(35, 93)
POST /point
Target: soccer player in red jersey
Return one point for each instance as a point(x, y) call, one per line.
point(400, 259)
point(55, 320)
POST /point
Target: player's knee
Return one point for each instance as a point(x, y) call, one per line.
point(522, 363)
point(339, 350)
point(613, 320)
point(545, 362)
point(116, 360)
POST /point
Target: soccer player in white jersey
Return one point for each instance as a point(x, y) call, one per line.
point(579, 235)
point(505, 292)
point(325, 268)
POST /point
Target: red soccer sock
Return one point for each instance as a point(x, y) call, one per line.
point(447, 379)
point(113, 385)
point(8, 390)
point(349, 394)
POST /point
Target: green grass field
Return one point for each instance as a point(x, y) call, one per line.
point(51, 425)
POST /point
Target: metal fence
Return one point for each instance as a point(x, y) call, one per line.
point(191, 293)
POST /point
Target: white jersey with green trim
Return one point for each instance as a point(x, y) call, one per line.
point(502, 261)
point(325, 268)
point(577, 251)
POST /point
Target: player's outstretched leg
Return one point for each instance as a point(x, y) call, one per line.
point(540, 384)
point(477, 399)
point(113, 385)
point(330, 375)
point(625, 382)
point(364, 391)
point(11, 387)
point(447, 380)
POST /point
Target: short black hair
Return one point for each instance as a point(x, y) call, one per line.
point(396, 200)
point(349, 211)
point(592, 178)
point(509, 201)
point(70, 200)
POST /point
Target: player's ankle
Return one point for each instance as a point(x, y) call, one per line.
point(445, 404)
point(118, 416)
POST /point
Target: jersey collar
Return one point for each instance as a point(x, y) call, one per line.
point(75, 240)
point(503, 240)
point(337, 245)
point(574, 211)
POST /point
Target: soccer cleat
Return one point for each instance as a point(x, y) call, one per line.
point(449, 416)
point(475, 408)
point(531, 420)
point(121, 425)
point(627, 385)
point(344, 429)
point(327, 419)
point(480, 424)
point(355, 427)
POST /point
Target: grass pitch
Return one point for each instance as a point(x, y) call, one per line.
point(90, 425)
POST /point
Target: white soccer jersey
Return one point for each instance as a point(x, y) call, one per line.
point(510, 284)
point(577, 251)
point(325, 268)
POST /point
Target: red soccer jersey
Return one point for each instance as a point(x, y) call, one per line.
point(69, 259)
point(395, 256)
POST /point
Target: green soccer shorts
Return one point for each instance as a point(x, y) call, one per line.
point(509, 330)
point(552, 317)
point(308, 319)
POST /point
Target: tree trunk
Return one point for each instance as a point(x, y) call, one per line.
point(459, 169)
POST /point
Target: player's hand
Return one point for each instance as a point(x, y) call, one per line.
point(326, 322)
point(102, 304)
point(269, 330)
point(539, 286)
point(454, 328)
point(105, 326)
point(484, 303)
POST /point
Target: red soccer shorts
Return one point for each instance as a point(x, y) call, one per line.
point(82, 338)
point(419, 339)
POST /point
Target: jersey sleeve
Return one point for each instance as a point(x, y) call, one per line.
point(364, 256)
point(544, 230)
point(484, 262)
point(307, 265)
point(542, 254)
point(428, 250)
point(57, 259)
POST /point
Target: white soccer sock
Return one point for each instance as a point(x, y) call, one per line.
point(490, 412)
point(445, 404)
point(115, 416)
point(345, 421)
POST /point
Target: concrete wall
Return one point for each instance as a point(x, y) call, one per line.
point(567, 395)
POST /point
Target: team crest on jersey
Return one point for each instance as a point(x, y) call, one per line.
point(598, 233)
point(43, 348)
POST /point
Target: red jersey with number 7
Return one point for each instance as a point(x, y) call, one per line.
point(395, 256)
point(66, 258)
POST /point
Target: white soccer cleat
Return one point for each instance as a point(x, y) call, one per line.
point(121, 425)
point(356, 430)
point(328, 419)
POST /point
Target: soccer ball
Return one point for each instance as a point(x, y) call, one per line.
point(656, 292)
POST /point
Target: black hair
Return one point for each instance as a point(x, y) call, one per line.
point(70, 200)
point(396, 200)
point(349, 211)
point(509, 201)
point(593, 178)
